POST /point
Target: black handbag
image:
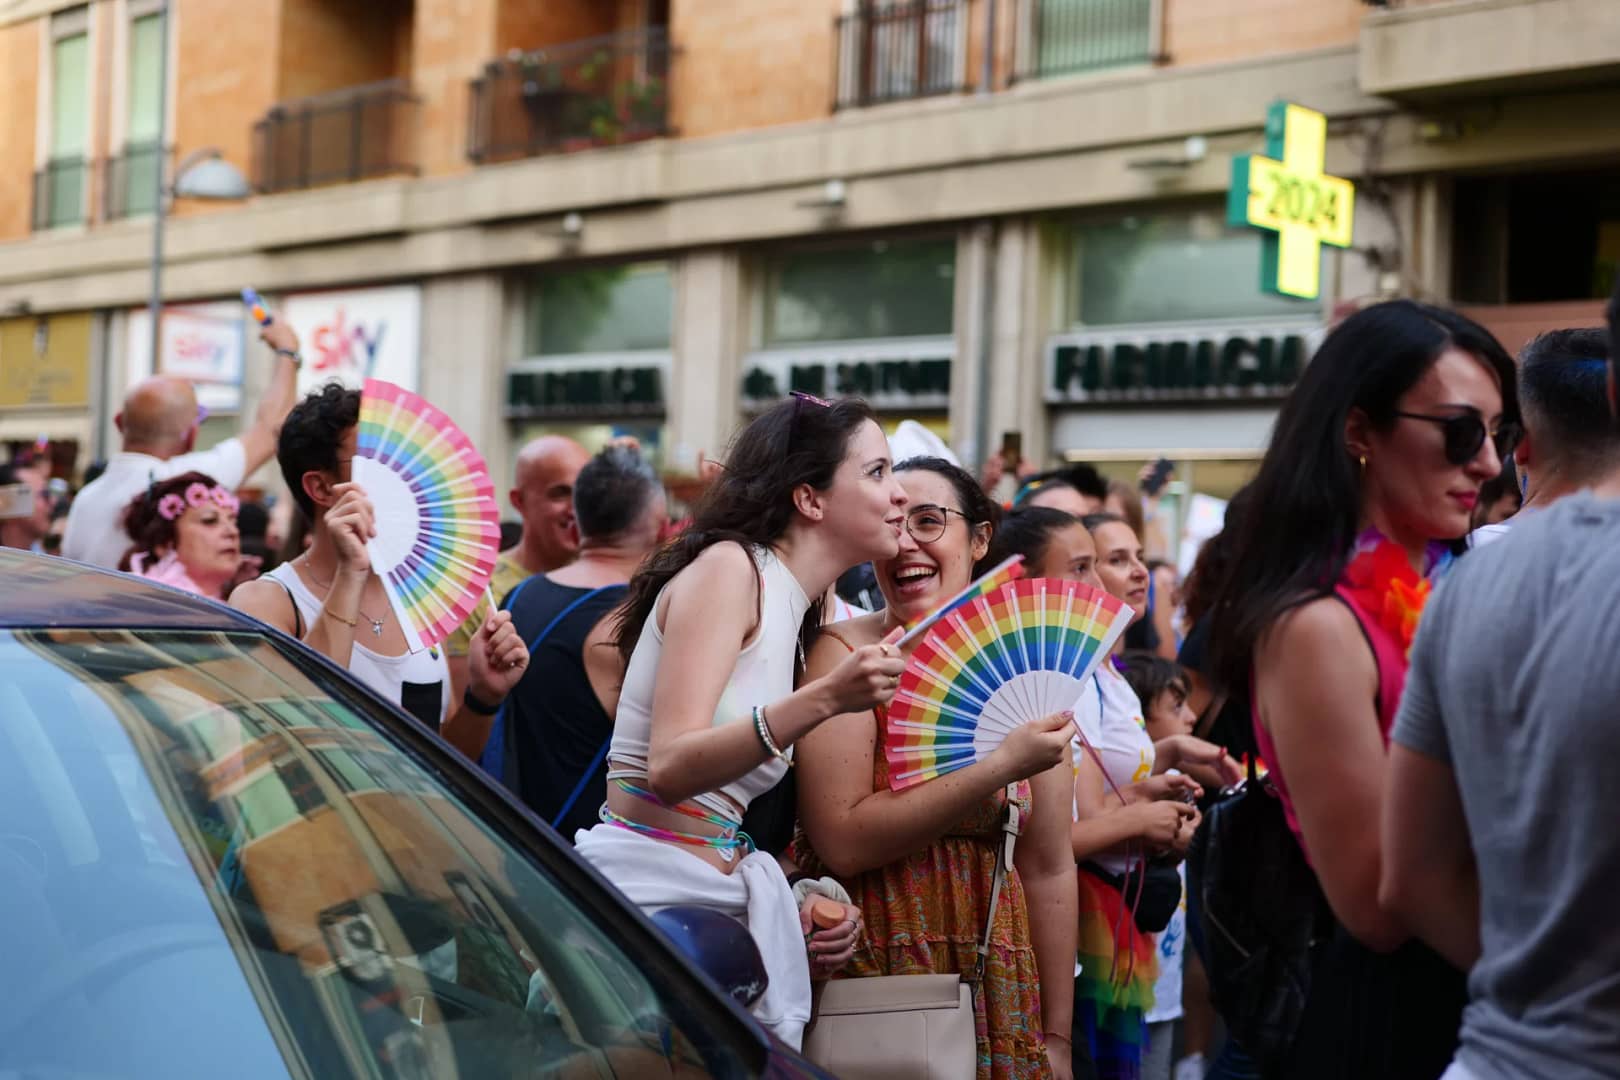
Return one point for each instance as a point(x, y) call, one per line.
point(1151, 891)
point(1263, 916)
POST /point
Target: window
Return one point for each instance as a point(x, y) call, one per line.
point(1085, 35)
point(889, 50)
point(609, 309)
point(882, 289)
point(213, 866)
point(141, 163)
point(61, 188)
point(1538, 238)
point(1171, 267)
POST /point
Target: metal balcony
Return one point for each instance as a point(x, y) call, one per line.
point(574, 96)
point(358, 133)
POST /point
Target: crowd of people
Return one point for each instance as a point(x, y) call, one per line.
point(1391, 668)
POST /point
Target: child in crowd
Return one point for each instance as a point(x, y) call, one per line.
point(1163, 688)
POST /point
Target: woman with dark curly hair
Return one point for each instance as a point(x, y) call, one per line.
point(183, 533)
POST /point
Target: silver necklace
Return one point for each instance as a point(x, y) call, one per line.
point(376, 624)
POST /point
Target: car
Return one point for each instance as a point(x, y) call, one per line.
point(222, 856)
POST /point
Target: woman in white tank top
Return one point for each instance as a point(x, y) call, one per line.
point(713, 637)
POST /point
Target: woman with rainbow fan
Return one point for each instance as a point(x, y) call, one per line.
point(713, 631)
point(921, 861)
point(1374, 468)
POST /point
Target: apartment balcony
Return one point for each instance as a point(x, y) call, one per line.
point(357, 133)
point(898, 51)
point(130, 181)
point(1440, 48)
point(574, 96)
point(1065, 37)
point(60, 190)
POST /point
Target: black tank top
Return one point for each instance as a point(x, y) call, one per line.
point(555, 726)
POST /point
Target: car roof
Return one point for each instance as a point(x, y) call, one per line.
point(45, 591)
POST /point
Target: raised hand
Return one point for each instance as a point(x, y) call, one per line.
point(1034, 747)
point(352, 522)
point(866, 678)
point(496, 659)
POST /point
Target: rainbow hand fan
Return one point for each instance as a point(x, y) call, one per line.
point(1019, 653)
point(438, 525)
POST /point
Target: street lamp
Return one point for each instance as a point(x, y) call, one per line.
point(201, 174)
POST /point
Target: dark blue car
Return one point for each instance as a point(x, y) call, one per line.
point(220, 856)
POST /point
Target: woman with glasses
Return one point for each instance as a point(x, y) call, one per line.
point(921, 862)
point(1374, 469)
point(713, 631)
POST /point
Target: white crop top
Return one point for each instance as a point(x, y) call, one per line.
point(763, 674)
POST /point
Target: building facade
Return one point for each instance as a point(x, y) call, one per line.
point(656, 216)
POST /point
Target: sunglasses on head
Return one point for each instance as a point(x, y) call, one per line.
point(1465, 433)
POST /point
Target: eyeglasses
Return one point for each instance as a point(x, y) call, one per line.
point(1465, 433)
point(202, 414)
point(927, 523)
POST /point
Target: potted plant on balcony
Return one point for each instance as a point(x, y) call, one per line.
point(642, 110)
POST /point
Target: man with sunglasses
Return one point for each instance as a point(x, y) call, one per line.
point(1499, 842)
point(159, 423)
point(1569, 442)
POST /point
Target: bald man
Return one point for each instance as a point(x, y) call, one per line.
point(159, 424)
point(543, 495)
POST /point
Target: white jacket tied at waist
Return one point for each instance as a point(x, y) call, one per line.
point(657, 875)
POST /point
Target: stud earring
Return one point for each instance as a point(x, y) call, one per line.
point(1363, 460)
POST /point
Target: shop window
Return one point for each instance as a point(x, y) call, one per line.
point(882, 289)
point(1536, 239)
point(1170, 267)
point(608, 309)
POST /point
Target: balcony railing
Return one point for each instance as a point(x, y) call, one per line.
point(1065, 36)
point(353, 134)
point(574, 96)
point(59, 192)
point(129, 182)
point(891, 51)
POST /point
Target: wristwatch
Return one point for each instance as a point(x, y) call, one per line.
point(291, 354)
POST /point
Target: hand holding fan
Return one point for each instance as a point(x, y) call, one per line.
point(438, 525)
point(992, 664)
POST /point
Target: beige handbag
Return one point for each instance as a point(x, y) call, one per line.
point(907, 1027)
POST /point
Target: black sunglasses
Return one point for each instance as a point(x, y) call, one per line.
point(1465, 433)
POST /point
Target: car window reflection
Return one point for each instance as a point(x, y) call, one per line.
point(371, 925)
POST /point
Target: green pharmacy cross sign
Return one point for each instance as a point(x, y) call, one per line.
point(1286, 193)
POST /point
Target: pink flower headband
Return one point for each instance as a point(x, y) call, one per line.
point(173, 505)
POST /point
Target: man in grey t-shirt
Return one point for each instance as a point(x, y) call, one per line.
point(1501, 843)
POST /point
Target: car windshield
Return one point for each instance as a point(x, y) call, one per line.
point(215, 861)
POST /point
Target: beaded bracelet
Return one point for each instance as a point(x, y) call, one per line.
point(764, 733)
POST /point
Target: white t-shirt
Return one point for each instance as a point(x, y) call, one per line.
point(1172, 945)
point(95, 525)
point(1109, 716)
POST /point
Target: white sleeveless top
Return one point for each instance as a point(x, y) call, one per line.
point(426, 673)
point(763, 674)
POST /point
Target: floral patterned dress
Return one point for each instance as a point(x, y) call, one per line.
point(925, 914)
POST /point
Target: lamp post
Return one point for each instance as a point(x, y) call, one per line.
point(201, 174)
